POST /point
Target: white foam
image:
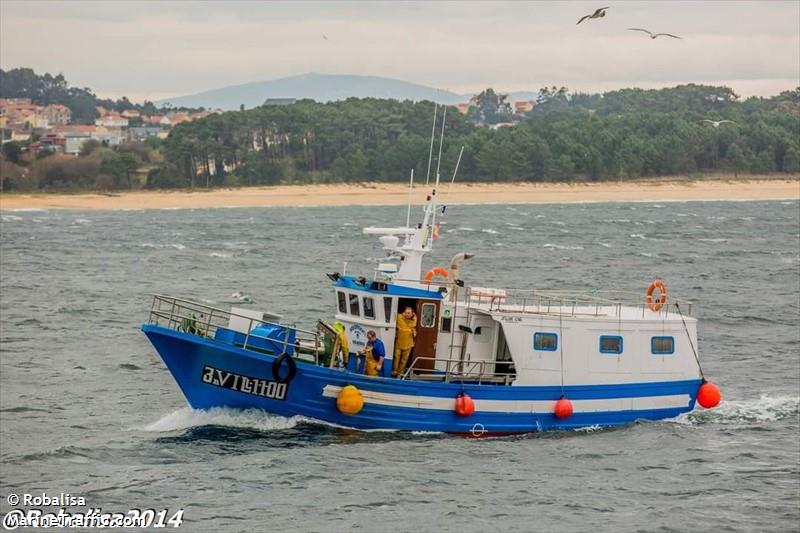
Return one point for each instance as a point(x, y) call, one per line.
point(489, 231)
point(713, 240)
point(765, 409)
point(638, 236)
point(220, 255)
point(561, 247)
point(10, 218)
point(222, 416)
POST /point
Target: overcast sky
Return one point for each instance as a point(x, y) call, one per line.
point(162, 49)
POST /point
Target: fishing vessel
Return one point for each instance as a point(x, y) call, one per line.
point(485, 360)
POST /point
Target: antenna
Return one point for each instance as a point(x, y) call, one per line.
point(441, 142)
point(456, 169)
point(410, 189)
point(433, 133)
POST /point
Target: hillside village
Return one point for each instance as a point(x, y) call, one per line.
point(49, 128)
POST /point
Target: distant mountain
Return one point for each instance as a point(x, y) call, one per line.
point(319, 87)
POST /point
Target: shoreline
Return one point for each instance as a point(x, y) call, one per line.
point(384, 194)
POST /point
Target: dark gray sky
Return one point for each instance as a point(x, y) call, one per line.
point(152, 50)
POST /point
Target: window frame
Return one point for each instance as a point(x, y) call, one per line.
point(540, 334)
point(354, 299)
point(432, 323)
point(388, 307)
point(653, 340)
point(371, 300)
point(611, 352)
point(341, 298)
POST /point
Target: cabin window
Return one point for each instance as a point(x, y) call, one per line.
point(447, 322)
point(342, 301)
point(354, 305)
point(545, 342)
point(662, 345)
point(387, 309)
point(428, 315)
point(610, 344)
point(369, 307)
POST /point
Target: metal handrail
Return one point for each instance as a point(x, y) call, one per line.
point(567, 302)
point(178, 313)
point(460, 369)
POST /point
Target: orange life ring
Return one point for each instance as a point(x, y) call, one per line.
point(438, 271)
point(659, 302)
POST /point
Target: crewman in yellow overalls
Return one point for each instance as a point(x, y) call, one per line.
point(404, 340)
point(344, 348)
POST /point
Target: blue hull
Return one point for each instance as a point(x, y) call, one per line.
point(215, 374)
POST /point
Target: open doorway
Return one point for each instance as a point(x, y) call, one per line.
point(427, 312)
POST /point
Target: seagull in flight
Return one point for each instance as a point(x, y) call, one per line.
point(325, 37)
point(599, 13)
point(716, 123)
point(654, 35)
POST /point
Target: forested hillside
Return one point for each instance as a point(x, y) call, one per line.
point(623, 134)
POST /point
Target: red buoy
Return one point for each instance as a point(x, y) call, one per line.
point(708, 395)
point(563, 408)
point(464, 405)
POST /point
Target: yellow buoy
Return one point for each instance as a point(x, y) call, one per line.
point(350, 400)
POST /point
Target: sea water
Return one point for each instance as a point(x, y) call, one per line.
point(87, 407)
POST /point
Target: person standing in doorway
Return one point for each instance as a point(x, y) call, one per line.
point(404, 340)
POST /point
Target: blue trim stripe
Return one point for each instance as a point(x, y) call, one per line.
point(349, 282)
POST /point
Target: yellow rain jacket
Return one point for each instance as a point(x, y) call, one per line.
point(405, 332)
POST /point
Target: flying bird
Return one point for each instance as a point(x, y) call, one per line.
point(599, 13)
point(654, 35)
point(716, 123)
point(325, 37)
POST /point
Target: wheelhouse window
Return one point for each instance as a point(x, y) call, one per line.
point(387, 309)
point(428, 318)
point(447, 322)
point(354, 310)
point(610, 344)
point(546, 342)
point(662, 345)
point(369, 307)
point(342, 301)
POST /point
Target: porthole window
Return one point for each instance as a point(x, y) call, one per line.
point(611, 344)
point(662, 345)
point(545, 342)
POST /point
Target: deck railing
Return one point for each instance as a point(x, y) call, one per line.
point(458, 370)
point(204, 320)
point(570, 303)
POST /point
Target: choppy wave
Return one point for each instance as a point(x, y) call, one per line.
point(11, 218)
point(562, 247)
point(489, 231)
point(240, 296)
point(220, 255)
point(765, 409)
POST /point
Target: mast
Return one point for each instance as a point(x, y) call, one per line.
point(433, 134)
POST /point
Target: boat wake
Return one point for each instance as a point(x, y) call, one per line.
point(188, 418)
point(765, 409)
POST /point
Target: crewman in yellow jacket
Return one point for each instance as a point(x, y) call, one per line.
point(404, 340)
point(344, 348)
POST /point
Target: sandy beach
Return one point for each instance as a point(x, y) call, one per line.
point(664, 190)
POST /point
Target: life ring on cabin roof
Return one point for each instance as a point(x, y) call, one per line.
point(659, 302)
point(437, 271)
